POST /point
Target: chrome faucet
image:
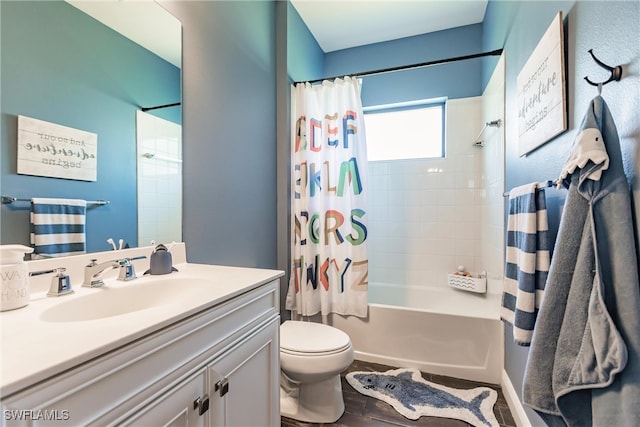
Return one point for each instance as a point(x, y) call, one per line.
point(93, 269)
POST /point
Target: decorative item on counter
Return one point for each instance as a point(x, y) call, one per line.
point(161, 261)
point(15, 277)
point(466, 281)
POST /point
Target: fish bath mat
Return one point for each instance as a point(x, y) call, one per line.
point(413, 396)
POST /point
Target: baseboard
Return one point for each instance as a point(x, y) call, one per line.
point(511, 396)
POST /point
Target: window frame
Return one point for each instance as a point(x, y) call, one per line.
point(414, 105)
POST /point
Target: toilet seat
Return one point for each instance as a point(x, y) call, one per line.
point(309, 354)
point(312, 339)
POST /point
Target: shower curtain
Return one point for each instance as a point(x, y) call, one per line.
point(329, 264)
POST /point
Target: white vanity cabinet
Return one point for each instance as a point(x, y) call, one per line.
point(243, 379)
point(218, 366)
point(235, 389)
point(177, 407)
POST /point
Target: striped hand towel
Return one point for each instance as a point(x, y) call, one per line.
point(58, 226)
point(527, 260)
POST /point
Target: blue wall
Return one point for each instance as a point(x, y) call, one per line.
point(305, 58)
point(61, 66)
point(611, 29)
point(453, 80)
point(229, 131)
point(307, 61)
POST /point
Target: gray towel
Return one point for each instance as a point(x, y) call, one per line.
point(527, 260)
point(584, 362)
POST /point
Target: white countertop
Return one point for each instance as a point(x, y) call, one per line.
point(33, 349)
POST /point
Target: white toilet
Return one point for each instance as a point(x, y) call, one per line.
point(312, 356)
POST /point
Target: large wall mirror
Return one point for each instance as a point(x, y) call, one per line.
point(94, 66)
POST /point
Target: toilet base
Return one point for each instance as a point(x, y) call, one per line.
point(318, 402)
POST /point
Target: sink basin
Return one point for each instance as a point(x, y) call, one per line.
point(132, 297)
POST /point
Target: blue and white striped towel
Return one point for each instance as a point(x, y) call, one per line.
point(58, 226)
point(527, 260)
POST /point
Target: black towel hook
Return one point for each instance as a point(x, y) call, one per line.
point(616, 72)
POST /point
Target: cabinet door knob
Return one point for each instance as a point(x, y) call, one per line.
point(201, 404)
point(223, 386)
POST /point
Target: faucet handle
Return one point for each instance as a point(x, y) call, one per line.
point(127, 271)
point(60, 284)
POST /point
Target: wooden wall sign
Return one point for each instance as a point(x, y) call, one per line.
point(542, 111)
point(48, 149)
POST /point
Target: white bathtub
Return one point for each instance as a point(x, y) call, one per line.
point(438, 330)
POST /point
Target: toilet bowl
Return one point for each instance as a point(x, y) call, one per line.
point(312, 356)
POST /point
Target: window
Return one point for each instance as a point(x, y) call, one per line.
point(405, 131)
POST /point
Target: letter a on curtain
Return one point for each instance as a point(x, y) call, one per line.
point(329, 265)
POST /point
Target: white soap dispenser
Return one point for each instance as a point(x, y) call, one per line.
point(14, 275)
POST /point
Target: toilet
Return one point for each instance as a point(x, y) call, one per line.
point(312, 356)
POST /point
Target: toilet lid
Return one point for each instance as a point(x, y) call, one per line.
point(308, 337)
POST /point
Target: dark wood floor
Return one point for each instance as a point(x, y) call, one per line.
point(361, 410)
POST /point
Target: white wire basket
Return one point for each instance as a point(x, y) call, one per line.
point(473, 283)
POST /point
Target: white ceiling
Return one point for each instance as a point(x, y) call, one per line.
point(341, 24)
point(143, 21)
point(336, 24)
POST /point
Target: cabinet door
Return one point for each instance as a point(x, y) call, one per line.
point(245, 381)
point(186, 404)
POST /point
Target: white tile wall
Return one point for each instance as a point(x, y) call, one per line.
point(428, 216)
point(492, 207)
point(159, 181)
point(425, 214)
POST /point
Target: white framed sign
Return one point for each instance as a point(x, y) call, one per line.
point(542, 110)
point(52, 150)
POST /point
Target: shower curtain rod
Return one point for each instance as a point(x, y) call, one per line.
point(408, 67)
point(145, 109)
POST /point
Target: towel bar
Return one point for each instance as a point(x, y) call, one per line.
point(544, 184)
point(10, 199)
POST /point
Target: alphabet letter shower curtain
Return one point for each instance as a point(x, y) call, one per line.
point(329, 265)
